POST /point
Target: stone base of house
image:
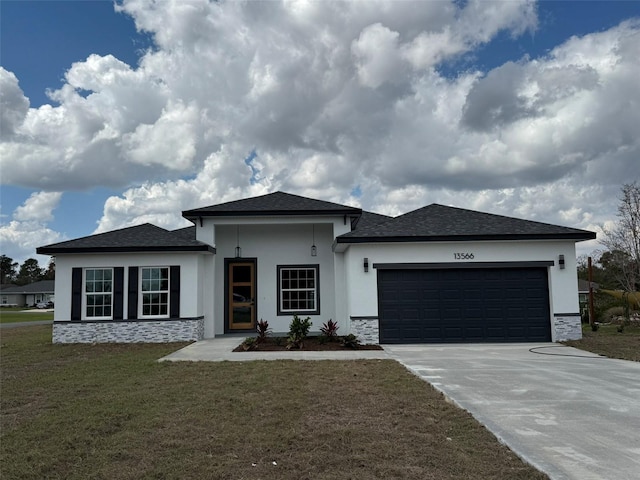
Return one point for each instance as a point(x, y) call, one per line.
point(366, 329)
point(129, 331)
point(567, 327)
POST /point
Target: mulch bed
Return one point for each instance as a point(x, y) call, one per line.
point(272, 344)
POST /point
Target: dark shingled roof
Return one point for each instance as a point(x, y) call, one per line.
point(440, 223)
point(368, 219)
point(141, 238)
point(43, 286)
point(276, 204)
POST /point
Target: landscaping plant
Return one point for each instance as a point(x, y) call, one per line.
point(298, 331)
point(250, 343)
point(263, 330)
point(350, 341)
point(330, 330)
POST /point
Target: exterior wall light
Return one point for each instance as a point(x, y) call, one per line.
point(314, 249)
point(561, 262)
point(238, 249)
point(366, 264)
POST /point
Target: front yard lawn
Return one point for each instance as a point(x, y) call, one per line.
point(11, 315)
point(113, 412)
point(609, 342)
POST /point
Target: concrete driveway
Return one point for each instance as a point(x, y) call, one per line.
point(569, 413)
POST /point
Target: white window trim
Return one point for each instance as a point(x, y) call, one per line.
point(141, 293)
point(316, 290)
point(85, 293)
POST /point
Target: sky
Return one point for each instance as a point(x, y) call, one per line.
point(116, 114)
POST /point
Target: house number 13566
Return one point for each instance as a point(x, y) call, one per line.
point(463, 256)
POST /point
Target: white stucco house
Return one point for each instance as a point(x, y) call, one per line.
point(436, 274)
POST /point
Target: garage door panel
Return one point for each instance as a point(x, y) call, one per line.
point(464, 305)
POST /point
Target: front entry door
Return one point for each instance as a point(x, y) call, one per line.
point(241, 294)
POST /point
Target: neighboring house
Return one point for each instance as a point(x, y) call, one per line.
point(583, 290)
point(28, 295)
point(436, 274)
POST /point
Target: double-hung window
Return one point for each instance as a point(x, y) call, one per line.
point(298, 289)
point(154, 291)
point(98, 293)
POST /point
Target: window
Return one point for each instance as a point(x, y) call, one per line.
point(98, 292)
point(298, 289)
point(154, 290)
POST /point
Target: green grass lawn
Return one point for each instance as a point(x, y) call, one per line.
point(609, 342)
point(113, 412)
point(11, 315)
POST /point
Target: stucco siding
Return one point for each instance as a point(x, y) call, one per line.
point(273, 245)
point(362, 287)
point(190, 303)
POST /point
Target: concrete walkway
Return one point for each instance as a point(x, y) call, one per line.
point(220, 349)
point(570, 413)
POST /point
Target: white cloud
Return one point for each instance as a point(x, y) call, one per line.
point(28, 229)
point(333, 96)
point(13, 104)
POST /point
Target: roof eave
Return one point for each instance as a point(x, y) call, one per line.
point(466, 238)
point(54, 251)
point(194, 214)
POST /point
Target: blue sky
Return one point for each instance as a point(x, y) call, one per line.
point(40, 40)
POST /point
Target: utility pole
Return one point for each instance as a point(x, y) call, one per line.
point(591, 310)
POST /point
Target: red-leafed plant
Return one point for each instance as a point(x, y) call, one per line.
point(330, 330)
point(263, 330)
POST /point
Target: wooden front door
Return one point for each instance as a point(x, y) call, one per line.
point(241, 295)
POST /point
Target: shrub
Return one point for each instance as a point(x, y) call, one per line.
point(350, 341)
point(613, 312)
point(250, 343)
point(330, 330)
point(263, 330)
point(298, 331)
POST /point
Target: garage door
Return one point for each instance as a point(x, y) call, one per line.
point(463, 305)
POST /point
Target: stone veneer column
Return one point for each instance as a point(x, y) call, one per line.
point(567, 327)
point(366, 329)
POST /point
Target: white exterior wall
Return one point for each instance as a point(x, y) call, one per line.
point(272, 242)
point(190, 265)
point(362, 287)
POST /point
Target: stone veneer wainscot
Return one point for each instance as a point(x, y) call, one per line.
point(129, 331)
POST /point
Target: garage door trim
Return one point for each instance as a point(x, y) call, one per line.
point(435, 318)
point(449, 265)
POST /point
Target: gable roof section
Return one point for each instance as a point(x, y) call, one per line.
point(272, 204)
point(368, 219)
point(141, 238)
point(435, 223)
point(43, 286)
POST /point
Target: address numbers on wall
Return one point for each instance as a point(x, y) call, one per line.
point(463, 256)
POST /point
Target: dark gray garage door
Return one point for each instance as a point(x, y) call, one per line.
point(463, 305)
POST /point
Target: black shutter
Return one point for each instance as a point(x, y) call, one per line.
point(132, 306)
point(174, 291)
point(118, 293)
point(76, 294)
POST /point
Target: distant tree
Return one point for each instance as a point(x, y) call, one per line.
point(29, 272)
point(7, 269)
point(623, 240)
point(50, 273)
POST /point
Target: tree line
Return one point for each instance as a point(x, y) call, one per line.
point(12, 272)
point(617, 266)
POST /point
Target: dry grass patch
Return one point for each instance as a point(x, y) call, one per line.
point(609, 342)
point(113, 412)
